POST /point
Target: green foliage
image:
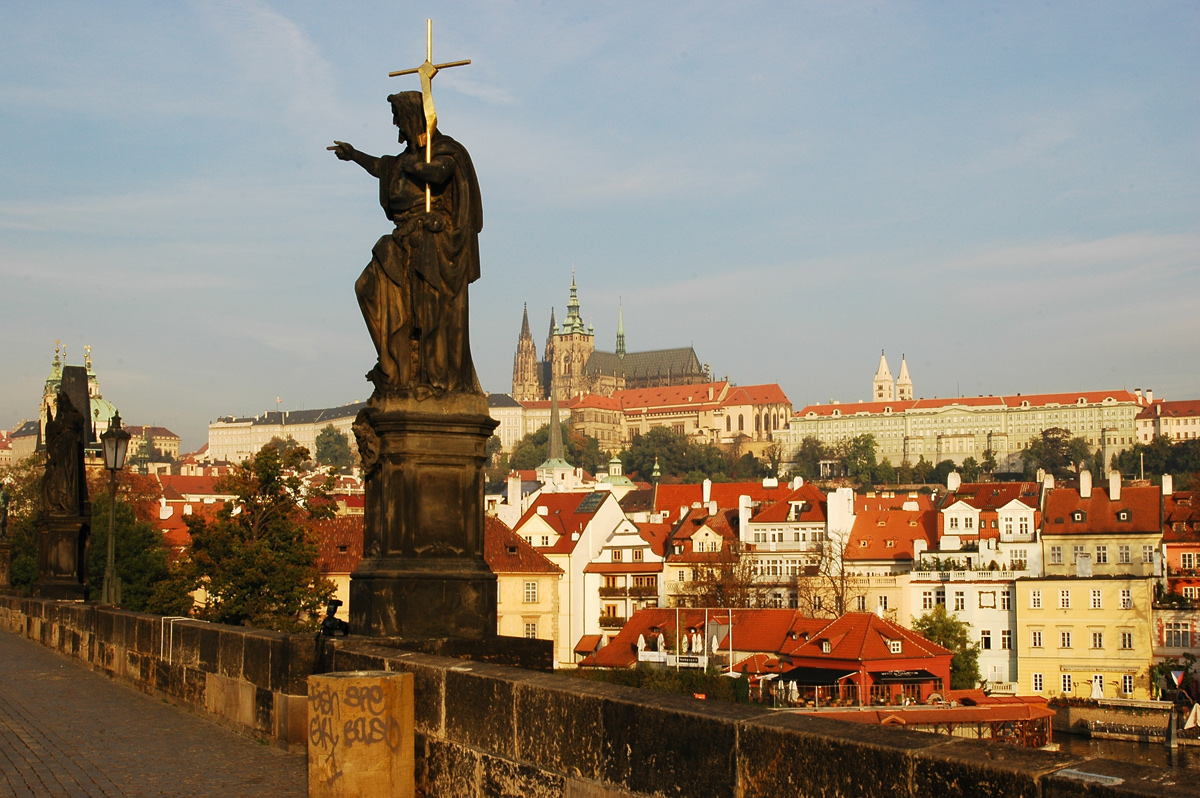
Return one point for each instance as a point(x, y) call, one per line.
point(970, 469)
point(148, 582)
point(679, 457)
point(333, 448)
point(858, 453)
point(1161, 456)
point(885, 473)
point(949, 632)
point(1056, 452)
point(285, 447)
point(938, 475)
point(257, 559)
point(581, 451)
point(989, 462)
point(807, 460)
point(23, 482)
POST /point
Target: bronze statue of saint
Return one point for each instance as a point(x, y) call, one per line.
point(63, 487)
point(413, 294)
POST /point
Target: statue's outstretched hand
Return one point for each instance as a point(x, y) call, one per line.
point(342, 150)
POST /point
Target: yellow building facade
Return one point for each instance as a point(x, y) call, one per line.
point(1084, 637)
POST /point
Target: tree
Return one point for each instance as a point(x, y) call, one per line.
point(989, 462)
point(257, 558)
point(148, 581)
point(23, 481)
point(970, 469)
point(939, 626)
point(333, 448)
point(579, 450)
point(858, 453)
point(285, 446)
point(1056, 452)
point(727, 580)
point(885, 473)
point(807, 460)
point(774, 455)
point(679, 457)
point(826, 589)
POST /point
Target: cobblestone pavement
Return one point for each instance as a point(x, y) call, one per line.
point(68, 731)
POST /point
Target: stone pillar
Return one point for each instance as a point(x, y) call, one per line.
point(360, 735)
point(62, 557)
point(423, 572)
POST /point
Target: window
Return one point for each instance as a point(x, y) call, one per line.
point(1076, 552)
point(1064, 639)
point(960, 601)
point(637, 555)
point(953, 522)
point(883, 603)
point(817, 604)
point(1097, 639)
point(969, 522)
point(616, 553)
point(1067, 686)
point(1123, 554)
point(1096, 601)
point(927, 600)
point(1064, 599)
point(1024, 526)
point(1177, 634)
point(1126, 600)
point(1005, 600)
point(860, 603)
point(545, 540)
point(1127, 684)
point(894, 646)
point(1147, 554)
point(1056, 555)
point(1037, 683)
point(1187, 560)
point(1101, 555)
point(826, 647)
point(1035, 599)
point(1098, 681)
point(1008, 526)
point(531, 629)
point(531, 592)
point(985, 640)
point(1006, 639)
point(1126, 641)
point(1035, 638)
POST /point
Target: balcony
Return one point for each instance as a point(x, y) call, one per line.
point(967, 576)
point(637, 591)
point(611, 621)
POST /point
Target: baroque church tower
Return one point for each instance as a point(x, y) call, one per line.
point(527, 371)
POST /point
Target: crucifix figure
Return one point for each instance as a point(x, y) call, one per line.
point(413, 294)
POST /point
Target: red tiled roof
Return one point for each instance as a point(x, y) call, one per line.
point(178, 484)
point(588, 644)
point(894, 502)
point(623, 568)
point(507, 552)
point(813, 510)
point(1183, 407)
point(864, 636)
point(768, 394)
point(874, 529)
point(669, 498)
point(340, 546)
point(1100, 513)
point(1181, 508)
point(994, 495)
point(656, 535)
point(561, 516)
point(671, 396)
point(594, 400)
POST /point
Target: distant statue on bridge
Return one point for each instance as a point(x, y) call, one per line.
point(64, 490)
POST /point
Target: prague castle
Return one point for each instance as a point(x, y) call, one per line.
point(577, 367)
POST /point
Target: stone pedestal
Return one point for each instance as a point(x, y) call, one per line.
point(62, 557)
point(360, 735)
point(423, 572)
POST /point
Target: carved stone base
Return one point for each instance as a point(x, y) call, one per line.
point(423, 572)
point(62, 557)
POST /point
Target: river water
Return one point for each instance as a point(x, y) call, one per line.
point(1155, 755)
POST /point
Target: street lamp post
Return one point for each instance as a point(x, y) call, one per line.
point(116, 445)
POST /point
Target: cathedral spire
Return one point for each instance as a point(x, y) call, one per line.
point(904, 385)
point(574, 322)
point(884, 387)
point(525, 323)
point(620, 330)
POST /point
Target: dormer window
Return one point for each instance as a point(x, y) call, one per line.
point(616, 555)
point(1078, 516)
point(1122, 515)
point(894, 646)
point(826, 647)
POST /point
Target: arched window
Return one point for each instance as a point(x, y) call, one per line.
point(728, 423)
point(741, 423)
point(757, 423)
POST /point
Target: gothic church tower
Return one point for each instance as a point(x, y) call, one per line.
point(527, 372)
point(568, 350)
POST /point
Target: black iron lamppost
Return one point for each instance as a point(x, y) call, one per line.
point(116, 445)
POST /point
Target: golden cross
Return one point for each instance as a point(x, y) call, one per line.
point(427, 70)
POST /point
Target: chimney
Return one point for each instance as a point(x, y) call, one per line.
point(1149, 396)
point(712, 508)
point(1114, 486)
point(1168, 485)
point(1138, 392)
point(743, 516)
point(514, 490)
point(1085, 484)
point(707, 484)
point(953, 481)
point(797, 483)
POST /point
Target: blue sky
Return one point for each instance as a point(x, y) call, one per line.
point(1007, 194)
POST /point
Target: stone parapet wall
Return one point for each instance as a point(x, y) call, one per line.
point(489, 730)
point(251, 680)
